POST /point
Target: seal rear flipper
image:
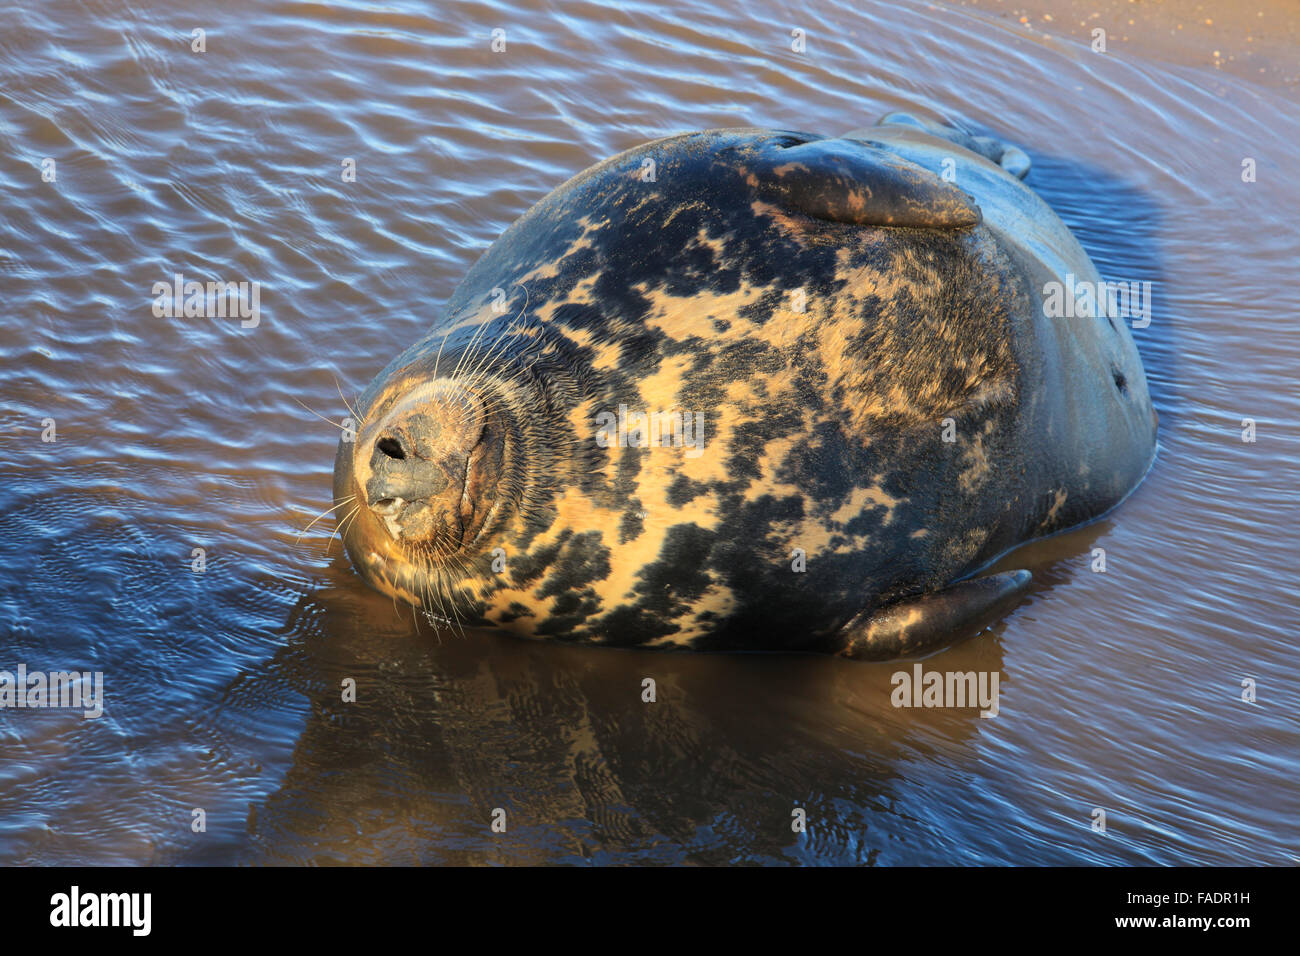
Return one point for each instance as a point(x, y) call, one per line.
point(929, 622)
point(843, 180)
point(1011, 158)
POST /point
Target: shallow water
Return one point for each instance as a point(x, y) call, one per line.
point(1120, 690)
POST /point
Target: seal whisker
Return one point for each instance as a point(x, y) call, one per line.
point(435, 561)
point(438, 358)
point(323, 418)
point(515, 374)
point(434, 593)
point(491, 402)
point(480, 371)
point(456, 616)
point(488, 402)
point(454, 563)
point(322, 515)
point(472, 374)
point(339, 388)
point(483, 327)
point(421, 576)
point(479, 375)
point(388, 550)
point(427, 595)
point(340, 527)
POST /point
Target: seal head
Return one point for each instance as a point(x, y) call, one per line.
point(425, 479)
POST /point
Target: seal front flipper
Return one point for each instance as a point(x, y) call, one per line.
point(842, 180)
point(931, 621)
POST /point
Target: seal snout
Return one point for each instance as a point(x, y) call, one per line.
point(429, 466)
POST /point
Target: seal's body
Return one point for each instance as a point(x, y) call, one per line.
point(749, 389)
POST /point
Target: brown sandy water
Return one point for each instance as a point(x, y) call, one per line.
point(1119, 690)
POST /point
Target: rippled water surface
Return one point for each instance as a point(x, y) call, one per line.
point(1120, 690)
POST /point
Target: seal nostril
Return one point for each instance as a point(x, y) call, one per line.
point(392, 448)
point(1120, 381)
point(387, 506)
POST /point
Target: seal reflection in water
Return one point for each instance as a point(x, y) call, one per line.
point(886, 403)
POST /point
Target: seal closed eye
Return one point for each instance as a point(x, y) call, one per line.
point(751, 390)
